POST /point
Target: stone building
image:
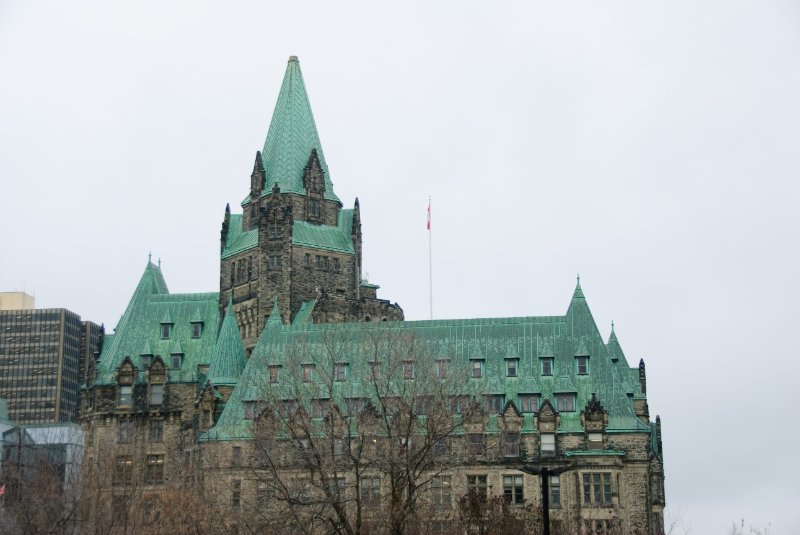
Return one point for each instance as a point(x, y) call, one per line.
point(302, 401)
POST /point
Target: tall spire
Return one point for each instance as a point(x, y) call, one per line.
point(292, 136)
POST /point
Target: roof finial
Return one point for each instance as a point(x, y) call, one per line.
point(159, 262)
point(612, 326)
point(579, 279)
point(150, 257)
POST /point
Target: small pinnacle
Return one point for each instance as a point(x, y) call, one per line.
point(612, 326)
point(292, 58)
point(159, 263)
point(150, 257)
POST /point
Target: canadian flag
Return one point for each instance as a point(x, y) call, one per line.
point(429, 214)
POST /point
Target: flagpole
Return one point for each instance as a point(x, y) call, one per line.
point(430, 258)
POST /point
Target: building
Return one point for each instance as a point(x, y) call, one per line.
point(16, 301)
point(301, 397)
point(43, 354)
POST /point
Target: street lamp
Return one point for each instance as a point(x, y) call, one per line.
point(544, 472)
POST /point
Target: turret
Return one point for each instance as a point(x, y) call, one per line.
point(642, 377)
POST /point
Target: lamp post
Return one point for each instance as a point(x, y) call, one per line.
point(545, 472)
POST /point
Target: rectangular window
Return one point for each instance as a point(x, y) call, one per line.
point(314, 207)
point(273, 374)
point(308, 373)
point(176, 360)
point(528, 403)
point(548, 444)
point(154, 470)
point(595, 441)
point(250, 410)
point(263, 492)
point(477, 369)
point(476, 444)
point(441, 447)
point(476, 486)
point(408, 370)
point(125, 431)
point(374, 370)
point(583, 365)
point(493, 404)
point(236, 460)
point(324, 263)
point(236, 493)
point(336, 266)
point(512, 489)
point(156, 394)
point(274, 230)
point(274, 261)
point(441, 492)
point(320, 407)
point(511, 367)
point(441, 368)
point(597, 489)
point(340, 371)
point(547, 366)
point(126, 396)
point(511, 445)
point(355, 406)
point(301, 489)
point(370, 488)
point(123, 470)
point(147, 360)
point(197, 329)
point(459, 404)
point(156, 431)
point(565, 402)
point(307, 260)
point(555, 491)
point(166, 331)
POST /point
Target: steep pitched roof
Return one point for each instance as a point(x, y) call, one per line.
point(227, 360)
point(238, 240)
point(139, 329)
point(292, 136)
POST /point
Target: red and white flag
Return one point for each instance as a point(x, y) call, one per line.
point(429, 214)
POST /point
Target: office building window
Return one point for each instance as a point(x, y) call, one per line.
point(513, 490)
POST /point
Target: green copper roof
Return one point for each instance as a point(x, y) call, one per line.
point(304, 314)
point(237, 240)
point(493, 340)
point(291, 137)
point(139, 330)
point(228, 359)
point(325, 237)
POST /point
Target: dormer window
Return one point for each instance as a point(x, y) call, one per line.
point(582, 364)
point(340, 371)
point(441, 368)
point(273, 374)
point(314, 208)
point(308, 373)
point(477, 368)
point(547, 365)
point(166, 331)
point(147, 360)
point(511, 366)
point(529, 403)
point(565, 402)
point(197, 329)
point(408, 369)
point(176, 361)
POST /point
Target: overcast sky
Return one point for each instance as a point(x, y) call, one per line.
point(652, 147)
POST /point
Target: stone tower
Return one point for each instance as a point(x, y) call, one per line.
point(294, 243)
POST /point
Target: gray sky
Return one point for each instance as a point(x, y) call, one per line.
point(650, 146)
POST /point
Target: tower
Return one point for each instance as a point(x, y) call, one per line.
point(294, 241)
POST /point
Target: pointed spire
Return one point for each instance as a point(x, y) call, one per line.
point(292, 137)
point(228, 358)
point(275, 316)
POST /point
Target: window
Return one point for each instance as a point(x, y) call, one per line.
point(441, 368)
point(274, 230)
point(125, 396)
point(339, 488)
point(441, 492)
point(313, 207)
point(512, 489)
point(176, 360)
point(236, 460)
point(307, 260)
point(547, 366)
point(477, 369)
point(475, 443)
point(147, 360)
point(250, 410)
point(511, 367)
point(125, 431)
point(493, 404)
point(123, 470)
point(529, 402)
point(308, 373)
point(595, 441)
point(565, 402)
point(156, 394)
point(154, 470)
point(476, 486)
point(548, 444)
point(197, 329)
point(273, 374)
point(301, 488)
point(459, 404)
point(324, 263)
point(236, 493)
point(336, 266)
point(320, 407)
point(355, 406)
point(511, 445)
point(599, 527)
point(583, 365)
point(166, 331)
point(274, 261)
point(408, 370)
point(374, 370)
point(441, 447)
point(370, 490)
point(555, 491)
point(156, 431)
point(340, 371)
point(597, 489)
point(338, 447)
point(263, 492)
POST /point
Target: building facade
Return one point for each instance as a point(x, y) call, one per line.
point(43, 355)
point(301, 402)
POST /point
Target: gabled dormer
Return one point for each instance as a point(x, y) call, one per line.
point(314, 184)
point(594, 419)
point(126, 377)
